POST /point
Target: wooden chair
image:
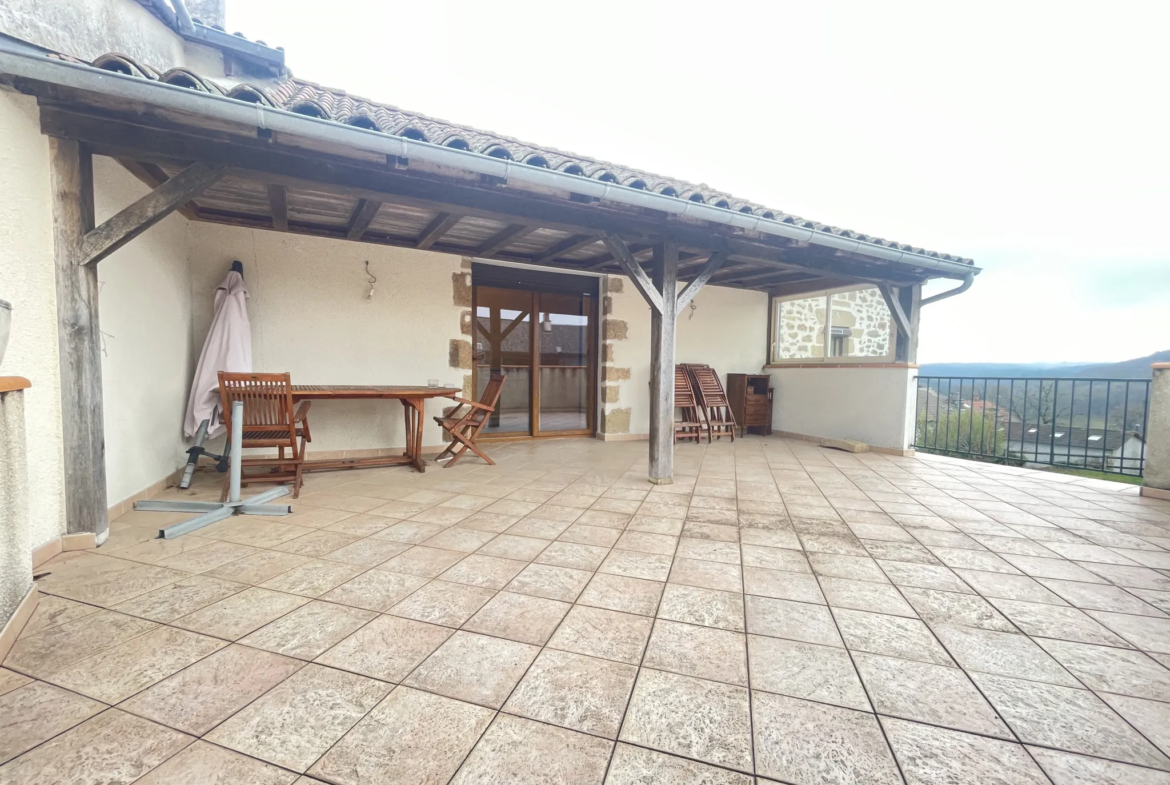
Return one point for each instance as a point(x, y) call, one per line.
point(269, 421)
point(713, 400)
point(691, 425)
point(464, 428)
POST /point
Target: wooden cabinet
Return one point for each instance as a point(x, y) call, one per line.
point(751, 402)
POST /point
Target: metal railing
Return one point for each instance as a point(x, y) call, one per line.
point(1093, 424)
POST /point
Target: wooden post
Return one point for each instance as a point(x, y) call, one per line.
point(79, 341)
point(662, 333)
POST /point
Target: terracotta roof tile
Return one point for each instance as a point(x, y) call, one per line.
point(306, 97)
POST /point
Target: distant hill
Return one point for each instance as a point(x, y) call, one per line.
point(1138, 368)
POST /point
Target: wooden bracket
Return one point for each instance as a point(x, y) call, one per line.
point(278, 205)
point(435, 230)
point(146, 212)
point(900, 318)
point(363, 216)
point(710, 268)
point(617, 246)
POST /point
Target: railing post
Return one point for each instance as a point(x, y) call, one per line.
point(1156, 474)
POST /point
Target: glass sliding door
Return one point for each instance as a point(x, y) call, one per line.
point(565, 363)
point(540, 330)
point(503, 344)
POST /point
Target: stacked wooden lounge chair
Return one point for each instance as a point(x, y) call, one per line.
point(691, 426)
point(713, 402)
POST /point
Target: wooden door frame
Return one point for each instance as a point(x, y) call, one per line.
point(534, 431)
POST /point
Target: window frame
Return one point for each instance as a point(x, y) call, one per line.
point(774, 303)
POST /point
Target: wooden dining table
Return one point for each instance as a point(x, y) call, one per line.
point(413, 402)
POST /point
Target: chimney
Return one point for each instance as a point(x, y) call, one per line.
point(209, 12)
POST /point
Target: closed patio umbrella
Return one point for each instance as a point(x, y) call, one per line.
point(228, 348)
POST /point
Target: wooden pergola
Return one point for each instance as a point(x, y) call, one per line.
point(231, 169)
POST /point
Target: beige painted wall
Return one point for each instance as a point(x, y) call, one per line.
point(147, 357)
point(310, 316)
point(874, 405)
point(27, 281)
point(725, 330)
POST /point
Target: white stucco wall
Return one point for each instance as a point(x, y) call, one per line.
point(874, 405)
point(27, 281)
point(310, 317)
point(726, 330)
point(146, 324)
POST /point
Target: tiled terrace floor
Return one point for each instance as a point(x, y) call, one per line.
point(782, 612)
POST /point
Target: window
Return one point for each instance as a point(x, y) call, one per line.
point(845, 325)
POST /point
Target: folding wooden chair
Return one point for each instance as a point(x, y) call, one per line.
point(269, 421)
point(464, 428)
point(691, 425)
point(713, 400)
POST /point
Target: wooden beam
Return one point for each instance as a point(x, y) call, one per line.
point(278, 205)
point(617, 246)
point(805, 287)
point(900, 319)
point(153, 176)
point(504, 238)
point(564, 247)
point(363, 216)
point(146, 212)
point(662, 335)
point(78, 341)
point(713, 264)
point(442, 224)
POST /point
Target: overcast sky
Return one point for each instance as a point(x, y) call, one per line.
point(1033, 137)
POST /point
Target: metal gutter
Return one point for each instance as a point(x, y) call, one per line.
point(88, 78)
point(964, 286)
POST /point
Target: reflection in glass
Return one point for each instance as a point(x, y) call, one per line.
point(564, 362)
point(503, 343)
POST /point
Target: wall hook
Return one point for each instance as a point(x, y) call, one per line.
point(373, 279)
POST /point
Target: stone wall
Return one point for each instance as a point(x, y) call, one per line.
point(801, 325)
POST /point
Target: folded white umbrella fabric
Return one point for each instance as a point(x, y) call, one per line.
point(228, 348)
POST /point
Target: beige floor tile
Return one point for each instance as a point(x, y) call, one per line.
point(366, 552)
point(187, 596)
point(316, 517)
point(118, 672)
point(341, 501)
point(52, 611)
point(410, 532)
point(316, 543)
point(519, 617)
point(703, 652)
point(512, 546)
point(241, 613)
point(155, 550)
point(486, 571)
point(638, 766)
point(387, 648)
point(518, 750)
point(805, 670)
point(834, 744)
point(214, 555)
point(11, 680)
point(933, 694)
point(249, 531)
point(441, 602)
point(930, 755)
point(474, 668)
point(113, 747)
point(203, 763)
point(45, 653)
point(410, 738)
point(585, 534)
point(797, 621)
point(423, 561)
point(301, 718)
point(573, 555)
point(257, 568)
point(622, 593)
point(553, 583)
point(360, 525)
point(36, 712)
point(632, 564)
point(574, 691)
point(707, 575)
point(309, 630)
point(705, 607)
point(867, 596)
point(460, 539)
point(539, 528)
point(603, 633)
point(695, 718)
point(375, 590)
point(488, 522)
point(198, 698)
point(313, 578)
point(102, 580)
